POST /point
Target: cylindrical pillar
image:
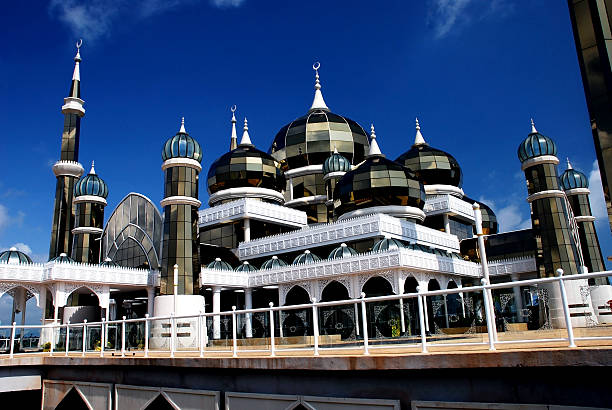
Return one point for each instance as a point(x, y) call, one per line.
point(150, 298)
point(247, 229)
point(248, 304)
point(216, 309)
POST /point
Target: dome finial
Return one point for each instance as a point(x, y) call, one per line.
point(76, 75)
point(92, 171)
point(569, 165)
point(182, 130)
point(374, 148)
point(318, 103)
point(418, 139)
point(234, 137)
point(533, 128)
point(335, 149)
point(246, 139)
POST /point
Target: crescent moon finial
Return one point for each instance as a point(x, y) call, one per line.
point(233, 108)
point(79, 43)
point(316, 66)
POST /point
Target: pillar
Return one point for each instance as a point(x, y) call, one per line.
point(518, 298)
point(247, 229)
point(446, 223)
point(248, 304)
point(150, 297)
point(216, 309)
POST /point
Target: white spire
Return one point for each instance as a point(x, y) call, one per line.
point(77, 59)
point(335, 149)
point(569, 166)
point(374, 149)
point(318, 103)
point(246, 139)
point(93, 171)
point(418, 139)
point(182, 126)
point(234, 138)
point(533, 128)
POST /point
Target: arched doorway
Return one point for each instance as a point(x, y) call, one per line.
point(411, 308)
point(383, 318)
point(436, 312)
point(296, 322)
point(337, 320)
point(19, 305)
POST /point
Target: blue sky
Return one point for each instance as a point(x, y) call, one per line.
point(473, 71)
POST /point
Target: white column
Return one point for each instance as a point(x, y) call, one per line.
point(446, 223)
point(247, 229)
point(445, 312)
point(460, 285)
point(290, 189)
point(216, 309)
point(518, 298)
point(42, 302)
point(248, 304)
point(150, 297)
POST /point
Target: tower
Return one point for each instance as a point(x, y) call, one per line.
point(576, 187)
point(182, 156)
point(67, 170)
point(550, 213)
point(90, 199)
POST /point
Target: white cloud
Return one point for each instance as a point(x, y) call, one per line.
point(23, 248)
point(448, 15)
point(92, 19)
point(598, 203)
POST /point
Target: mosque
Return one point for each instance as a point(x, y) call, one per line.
point(322, 215)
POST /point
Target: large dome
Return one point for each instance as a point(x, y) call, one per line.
point(432, 166)
point(309, 140)
point(378, 181)
point(91, 184)
point(245, 166)
point(536, 145)
point(182, 145)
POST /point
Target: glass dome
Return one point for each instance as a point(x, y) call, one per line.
point(336, 163)
point(273, 262)
point(245, 166)
point(378, 181)
point(219, 265)
point(14, 256)
point(91, 184)
point(571, 179)
point(309, 140)
point(108, 262)
point(306, 257)
point(62, 258)
point(342, 251)
point(432, 166)
point(387, 244)
point(182, 145)
point(536, 145)
point(245, 267)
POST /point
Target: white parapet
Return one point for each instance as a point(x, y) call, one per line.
point(187, 335)
point(578, 300)
point(601, 296)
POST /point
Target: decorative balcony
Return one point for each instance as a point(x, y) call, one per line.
point(449, 204)
point(254, 209)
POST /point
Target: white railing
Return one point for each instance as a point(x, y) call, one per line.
point(367, 226)
point(441, 204)
point(251, 208)
point(77, 272)
point(117, 335)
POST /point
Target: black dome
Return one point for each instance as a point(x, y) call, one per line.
point(432, 166)
point(311, 139)
point(489, 219)
point(245, 166)
point(378, 181)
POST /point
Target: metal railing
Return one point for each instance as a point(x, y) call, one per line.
point(353, 325)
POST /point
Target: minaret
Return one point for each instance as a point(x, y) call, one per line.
point(67, 170)
point(90, 199)
point(576, 187)
point(550, 214)
point(182, 156)
point(234, 137)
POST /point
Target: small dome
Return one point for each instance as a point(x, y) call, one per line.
point(108, 262)
point(387, 244)
point(182, 145)
point(342, 251)
point(432, 166)
point(571, 179)
point(306, 257)
point(219, 265)
point(336, 163)
point(378, 181)
point(309, 140)
point(273, 262)
point(490, 225)
point(14, 257)
point(91, 184)
point(62, 258)
point(536, 145)
point(245, 166)
point(245, 267)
